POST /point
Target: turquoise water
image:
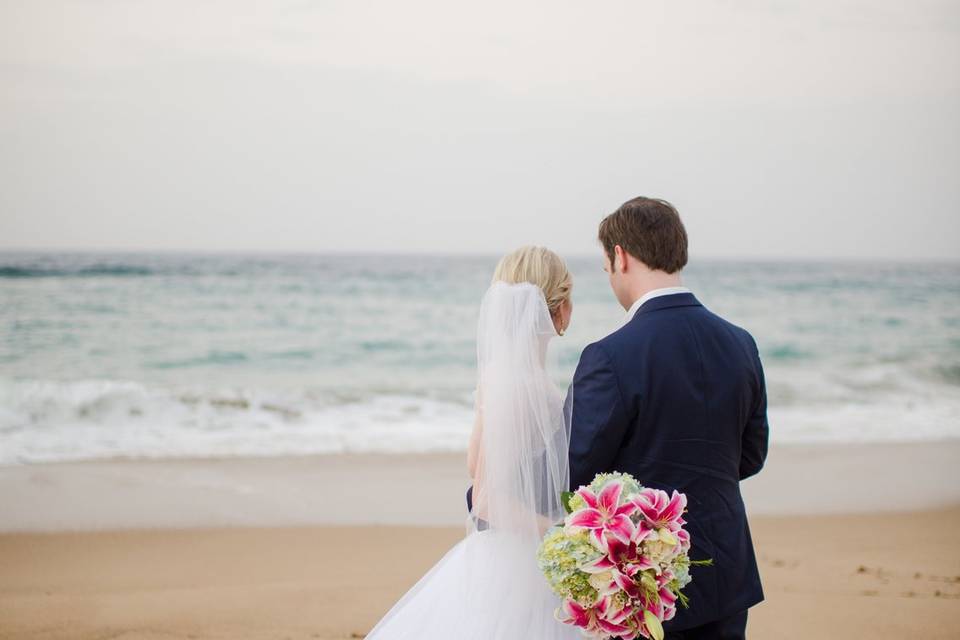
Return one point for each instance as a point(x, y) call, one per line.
point(123, 354)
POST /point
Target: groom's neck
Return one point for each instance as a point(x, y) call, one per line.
point(646, 281)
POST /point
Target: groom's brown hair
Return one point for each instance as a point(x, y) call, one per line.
point(650, 230)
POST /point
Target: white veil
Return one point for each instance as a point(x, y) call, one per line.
point(489, 585)
point(522, 465)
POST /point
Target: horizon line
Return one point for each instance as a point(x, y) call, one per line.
point(459, 254)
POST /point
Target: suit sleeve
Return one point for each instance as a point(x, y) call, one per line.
point(599, 420)
point(756, 433)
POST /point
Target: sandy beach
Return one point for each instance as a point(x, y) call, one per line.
point(269, 548)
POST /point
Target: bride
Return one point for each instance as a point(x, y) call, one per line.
point(488, 586)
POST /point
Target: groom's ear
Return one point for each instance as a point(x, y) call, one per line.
point(619, 257)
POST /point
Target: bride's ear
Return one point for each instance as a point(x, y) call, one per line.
point(557, 317)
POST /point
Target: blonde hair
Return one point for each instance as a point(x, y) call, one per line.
point(539, 266)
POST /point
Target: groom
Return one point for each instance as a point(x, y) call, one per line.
point(676, 398)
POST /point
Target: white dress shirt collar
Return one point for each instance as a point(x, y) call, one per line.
point(649, 295)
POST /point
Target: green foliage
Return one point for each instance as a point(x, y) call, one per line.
point(565, 501)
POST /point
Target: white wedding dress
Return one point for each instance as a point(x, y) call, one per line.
point(488, 586)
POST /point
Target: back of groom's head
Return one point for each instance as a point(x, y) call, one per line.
point(650, 230)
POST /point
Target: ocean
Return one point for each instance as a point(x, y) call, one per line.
point(166, 355)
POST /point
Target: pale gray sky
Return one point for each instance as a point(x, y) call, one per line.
point(803, 129)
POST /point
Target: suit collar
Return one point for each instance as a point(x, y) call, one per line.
point(668, 302)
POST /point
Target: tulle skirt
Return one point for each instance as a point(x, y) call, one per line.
point(486, 587)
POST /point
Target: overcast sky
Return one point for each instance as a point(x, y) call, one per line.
point(801, 129)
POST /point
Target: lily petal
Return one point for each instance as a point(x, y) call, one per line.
point(588, 496)
point(621, 527)
point(601, 564)
point(609, 497)
point(674, 509)
point(586, 518)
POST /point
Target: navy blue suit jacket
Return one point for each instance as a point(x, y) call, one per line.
point(676, 397)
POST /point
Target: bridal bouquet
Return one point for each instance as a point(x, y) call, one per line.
point(619, 560)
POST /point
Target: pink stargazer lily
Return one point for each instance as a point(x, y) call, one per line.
point(624, 561)
point(660, 510)
point(668, 599)
point(616, 614)
point(592, 620)
point(604, 514)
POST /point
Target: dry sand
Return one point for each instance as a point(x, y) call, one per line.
point(825, 577)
